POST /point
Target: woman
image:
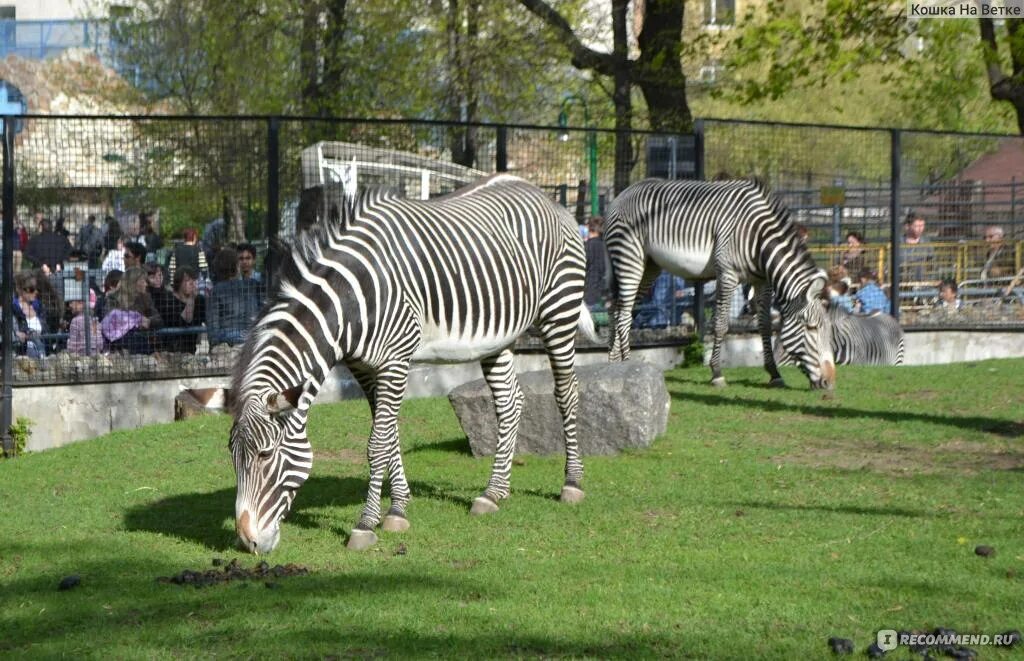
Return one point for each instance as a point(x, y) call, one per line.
point(132, 316)
point(29, 317)
point(854, 260)
point(188, 254)
point(77, 344)
point(185, 309)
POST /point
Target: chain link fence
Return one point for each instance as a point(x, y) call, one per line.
point(181, 209)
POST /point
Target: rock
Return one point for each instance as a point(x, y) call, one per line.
point(840, 645)
point(193, 402)
point(984, 551)
point(69, 582)
point(874, 651)
point(622, 405)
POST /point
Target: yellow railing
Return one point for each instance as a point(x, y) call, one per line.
point(960, 261)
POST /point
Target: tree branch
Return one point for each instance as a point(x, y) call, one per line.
point(997, 80)
point(582, 57)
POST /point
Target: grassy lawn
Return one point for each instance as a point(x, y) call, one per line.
point(762, 523)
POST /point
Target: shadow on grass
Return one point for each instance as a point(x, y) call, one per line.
point(200, 517)
point(459, 445)
point(334, 613)
point(1005, 428)
point(833, 509)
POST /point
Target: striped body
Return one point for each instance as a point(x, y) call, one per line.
point(860, 339)
point(734, 231)
point(384, 281)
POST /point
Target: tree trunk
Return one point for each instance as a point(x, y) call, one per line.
point(1001, 86)
point(622, 96)
point(462, 97)
point(309, 59)
point(659, 69)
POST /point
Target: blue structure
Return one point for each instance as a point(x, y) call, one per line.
point(39, 40)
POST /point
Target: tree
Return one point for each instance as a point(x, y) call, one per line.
point(1002, 87)
point(657, 71)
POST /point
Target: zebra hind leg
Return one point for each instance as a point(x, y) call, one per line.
point(381, 451)
point(559, 343)
point(723, 299)
point(500, 373)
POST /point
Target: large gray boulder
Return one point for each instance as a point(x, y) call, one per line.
point(622, 405)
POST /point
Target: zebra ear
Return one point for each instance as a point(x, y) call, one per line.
point(816, 289)
point(282, 402)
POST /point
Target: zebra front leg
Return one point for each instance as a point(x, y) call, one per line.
point(500, 373)
point(763, 297)
point(388, 391)
point(723, 298)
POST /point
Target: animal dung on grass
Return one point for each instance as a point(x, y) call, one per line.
point(233, 571)
point(622, 405)
point(984, 551)
point(69, 582)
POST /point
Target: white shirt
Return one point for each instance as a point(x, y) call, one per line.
point(114, 261)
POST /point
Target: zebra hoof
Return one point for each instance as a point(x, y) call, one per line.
point(360, 539)
point(483, 505)
point(718, 382)
point(777, 383)
point(395, 523)
point(572, 495)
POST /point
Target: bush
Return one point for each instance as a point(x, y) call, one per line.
point(21, 430)
point(693, 353)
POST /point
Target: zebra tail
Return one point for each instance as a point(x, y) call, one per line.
point(587, 324)
point(899, 353)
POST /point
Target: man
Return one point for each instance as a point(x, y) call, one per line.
point(90, 241)
point(247, 269)
point(598, 274)
point(999, 259)
point(917, 253)
point(134, 255)
point(48, 250)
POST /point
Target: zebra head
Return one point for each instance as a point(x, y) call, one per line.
point(806, 335)
point(272, 459)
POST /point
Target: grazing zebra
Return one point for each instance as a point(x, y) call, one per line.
point(381, 281)
point(735, 231)
point(860, 339)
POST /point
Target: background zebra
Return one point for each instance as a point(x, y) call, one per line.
point(860, 339)
point(381, 281)
point(735, 231)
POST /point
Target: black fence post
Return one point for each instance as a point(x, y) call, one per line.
point(895, 184)
point(501, 150)
point(698, 173)
point(7, 289)
point(273, 227)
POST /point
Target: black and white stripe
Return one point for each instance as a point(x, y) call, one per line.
point(865, 339)
point(382, 281)
point(735, 231)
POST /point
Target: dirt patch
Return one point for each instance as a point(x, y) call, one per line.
point(953, 457)
point(344, 455)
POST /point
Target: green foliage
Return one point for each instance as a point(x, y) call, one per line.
point(21, 431)
point(693, 352)
point(810, 517)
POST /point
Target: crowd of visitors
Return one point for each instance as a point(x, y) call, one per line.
point(111, 290)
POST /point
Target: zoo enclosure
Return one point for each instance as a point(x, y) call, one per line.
point(251, 171)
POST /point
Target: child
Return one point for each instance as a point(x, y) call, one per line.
point(76, 332)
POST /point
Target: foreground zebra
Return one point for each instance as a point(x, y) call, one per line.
point(734, 231)
point(381, 282)
point(860, 339)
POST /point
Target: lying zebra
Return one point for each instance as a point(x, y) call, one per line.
point(859, 339)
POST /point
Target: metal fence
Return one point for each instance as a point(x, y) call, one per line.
point(231, 180)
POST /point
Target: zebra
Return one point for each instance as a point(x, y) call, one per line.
point(860, 339)
point(735, 231)
point(377, 282)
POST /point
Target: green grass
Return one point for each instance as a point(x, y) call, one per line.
point(762, 523)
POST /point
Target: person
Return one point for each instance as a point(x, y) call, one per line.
point(131, 315)
point(29, 317)
point(917, 254)
point(247, 269)
point(112, 234)
point(148, 236)
point(598, 275)
point(114, 261)
point(854, 258)
point(110, 283)
point(185, 309)
point(188, 253)
point(213, 238)
point(949, 300)
point(999, 258)
point(870, 297)
point(661, 308)
point(60, 228)
point(77, 344)
point(90, 241)
point(161, 296)
point(233, 303)
point(48, 250)
point(134, 255)
point(839, 288)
